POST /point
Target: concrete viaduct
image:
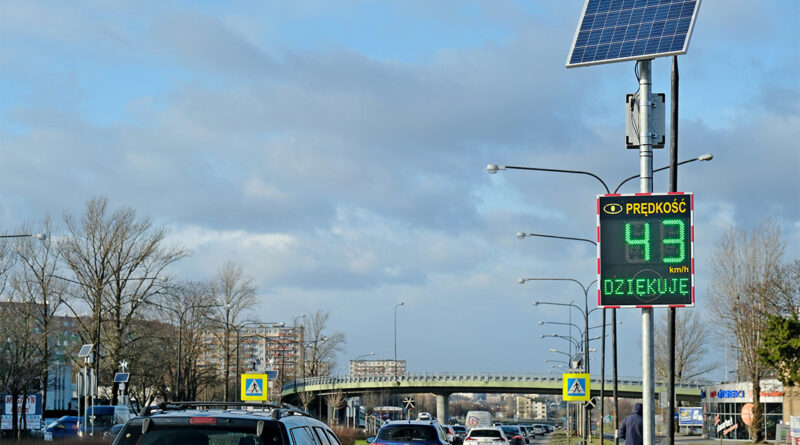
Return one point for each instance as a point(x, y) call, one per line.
point(442, 385)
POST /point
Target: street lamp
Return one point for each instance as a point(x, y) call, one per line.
point(585, 312)
point(402, 303)
point(570, 339)
point(359, 357)
point(494, 168)
point(38, 236)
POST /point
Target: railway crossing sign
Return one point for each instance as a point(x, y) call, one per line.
point(576, 387)
point(409, 403)
point(254, 387)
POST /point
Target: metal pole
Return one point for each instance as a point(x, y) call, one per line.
point(646, 186)
point(587, 432)
point(673, 187)
point(238, 346)
point(614, 366)
point(85, 395)
point(603, 377)
point(180, 351)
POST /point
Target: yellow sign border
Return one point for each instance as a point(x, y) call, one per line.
point(586, 378)
point(264, 384)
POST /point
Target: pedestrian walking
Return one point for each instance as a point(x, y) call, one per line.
point(631, 428)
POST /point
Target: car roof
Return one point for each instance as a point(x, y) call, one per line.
point(239, 410)
point(411, 422)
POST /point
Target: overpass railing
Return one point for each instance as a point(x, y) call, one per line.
point(455, 377)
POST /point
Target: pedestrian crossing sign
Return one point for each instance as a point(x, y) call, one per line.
point(254, 387)
point(576, 387)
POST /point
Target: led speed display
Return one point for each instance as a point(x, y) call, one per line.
point(645, 250)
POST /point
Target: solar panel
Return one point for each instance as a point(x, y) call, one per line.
point(85, 351)
point(617, 30)
point(121, 377)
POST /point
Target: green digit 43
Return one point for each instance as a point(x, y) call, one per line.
point(644, 241)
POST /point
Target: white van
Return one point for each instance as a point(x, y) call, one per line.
point(478, 419)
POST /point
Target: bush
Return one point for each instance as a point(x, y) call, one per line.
point(348, 436)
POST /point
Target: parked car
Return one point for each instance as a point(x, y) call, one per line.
point(461, 430)
point(204, 423)
point(493, 435)
point(452, 436)
point(63, 427)
point(527, 432)
point(401, 432)
point(513, 434)
point(100, 418)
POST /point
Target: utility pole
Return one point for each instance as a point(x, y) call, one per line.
point(646, 186)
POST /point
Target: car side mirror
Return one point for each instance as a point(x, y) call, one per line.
point(370, 439)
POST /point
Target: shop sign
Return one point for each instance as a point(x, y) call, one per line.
point(690, 416)
point(727, 394)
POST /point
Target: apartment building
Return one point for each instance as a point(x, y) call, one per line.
point(377, 368)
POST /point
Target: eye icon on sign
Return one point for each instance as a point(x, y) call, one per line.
point(612, 208)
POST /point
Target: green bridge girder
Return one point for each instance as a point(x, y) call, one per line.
point(438, 385)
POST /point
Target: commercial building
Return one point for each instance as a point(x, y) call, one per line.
point(728, 409)
point(377, 368)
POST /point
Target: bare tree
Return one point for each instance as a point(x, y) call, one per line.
point(305, 398)
point(34, 284)
point(741, 295)
point(117, 260)
point(322, 348)
point(21, 362)
point(690, 346)
point(233, 292)
point(335, 400)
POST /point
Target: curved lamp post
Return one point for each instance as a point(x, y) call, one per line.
point(402, 303)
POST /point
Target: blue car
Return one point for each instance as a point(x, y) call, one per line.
point(407, 432)
point(64, 427)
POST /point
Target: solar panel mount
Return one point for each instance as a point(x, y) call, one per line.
point(618, 30)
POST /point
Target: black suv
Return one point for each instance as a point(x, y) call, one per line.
point(225, 423)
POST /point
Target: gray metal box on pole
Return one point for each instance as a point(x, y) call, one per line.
point(657, 120)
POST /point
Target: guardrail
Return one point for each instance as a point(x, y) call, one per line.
point(486, 377)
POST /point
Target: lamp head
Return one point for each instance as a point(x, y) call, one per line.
point(705, 157)
point(535, 303)
point(40, 236)
point(521, 280)
point(493, 168)
point(553, 350)
point(521, 235)
point(541, 322)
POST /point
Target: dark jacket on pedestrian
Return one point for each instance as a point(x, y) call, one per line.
point(631, 428)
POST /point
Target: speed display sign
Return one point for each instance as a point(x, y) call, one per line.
point(645, 248)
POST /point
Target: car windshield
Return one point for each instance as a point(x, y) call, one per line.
point(511, 429)
point(407, 432)
point(484, 433)
point(101, 420)
point(459, 429)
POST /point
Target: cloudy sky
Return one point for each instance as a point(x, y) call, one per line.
point(337, 150)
